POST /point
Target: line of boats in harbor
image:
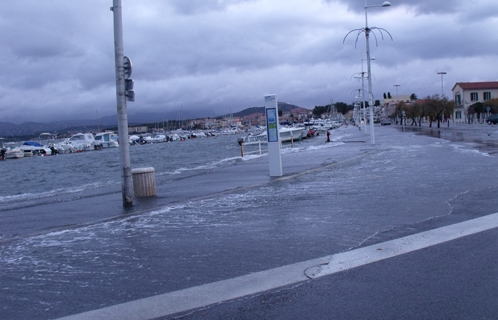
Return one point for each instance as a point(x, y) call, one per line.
point(48, 144)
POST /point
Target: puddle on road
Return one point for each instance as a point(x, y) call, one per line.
point(484, 139)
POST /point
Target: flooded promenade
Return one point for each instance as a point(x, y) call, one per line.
point(231, 221)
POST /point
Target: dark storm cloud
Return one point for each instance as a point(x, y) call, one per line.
point(57, 57)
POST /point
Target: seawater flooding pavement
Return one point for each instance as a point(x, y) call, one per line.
point(236, 221)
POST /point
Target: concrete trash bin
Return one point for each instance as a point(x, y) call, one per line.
point(144, 182)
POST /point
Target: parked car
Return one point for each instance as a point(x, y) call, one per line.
point(385, 122)
point(492, 119)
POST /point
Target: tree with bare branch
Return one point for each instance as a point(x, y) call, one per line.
point(437, 108)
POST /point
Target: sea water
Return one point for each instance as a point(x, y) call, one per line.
point(28, 181)
point(99, 172)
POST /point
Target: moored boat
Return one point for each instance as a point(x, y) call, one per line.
point(290, 133)
point(14, 153)
point(286, 134)
point(107, 139)
point(82, 141)
point(157, 138)
point(31, 149)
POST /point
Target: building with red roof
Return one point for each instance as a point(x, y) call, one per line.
point(466, 94)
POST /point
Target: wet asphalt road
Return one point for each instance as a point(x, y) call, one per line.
point(453, 280)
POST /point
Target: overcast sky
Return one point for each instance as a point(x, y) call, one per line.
point(57, 56)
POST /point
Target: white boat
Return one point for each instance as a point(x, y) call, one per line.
point(174, 137)
point(290, 133)
point(143, 139)
point(65, 146)
point(47, 138)
point(106, 139)
point(286, 134)
point(231, 130)
point(133, 139)
point(323, 125)
point(198, 134)
point(14, 153)
point(157, 138)
point(31, 148)
point(82, 141)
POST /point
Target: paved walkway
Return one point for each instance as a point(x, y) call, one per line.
point(357, 284)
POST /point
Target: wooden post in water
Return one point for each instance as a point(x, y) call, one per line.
point(241, 143)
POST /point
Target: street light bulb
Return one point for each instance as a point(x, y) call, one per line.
point(386, 4)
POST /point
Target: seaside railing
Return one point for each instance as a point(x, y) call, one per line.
point(260, 150)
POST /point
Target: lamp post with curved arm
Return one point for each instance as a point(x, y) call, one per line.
point(362, 77)
point(442, 73)
point(367, 30)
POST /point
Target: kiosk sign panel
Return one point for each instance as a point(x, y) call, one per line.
point(271, 125)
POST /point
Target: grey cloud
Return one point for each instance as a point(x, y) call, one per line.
point(199, 6)
point(418, 6)
point(58, 56)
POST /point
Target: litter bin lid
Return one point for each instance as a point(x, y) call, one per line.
point(142, 170)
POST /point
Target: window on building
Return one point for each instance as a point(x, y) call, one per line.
point(458, 114)
point(487, 96)
point(458, 100)
point(474, 96)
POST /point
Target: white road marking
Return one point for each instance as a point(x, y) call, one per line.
point(217, 292)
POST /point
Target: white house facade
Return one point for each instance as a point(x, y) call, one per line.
point(466, 94)
point(389, 105)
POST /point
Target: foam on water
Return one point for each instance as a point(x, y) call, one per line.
point(462, 149)
point(57, 192)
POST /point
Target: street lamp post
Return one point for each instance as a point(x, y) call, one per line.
point(369, 68)
point(362, 96)
point(367, 31)
point(442, 74)
point(396, 86)
point(364, 101)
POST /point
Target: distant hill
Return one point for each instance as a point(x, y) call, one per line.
point(30, 129)
point(283, 106)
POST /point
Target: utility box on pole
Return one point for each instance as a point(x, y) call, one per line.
point(272, 127)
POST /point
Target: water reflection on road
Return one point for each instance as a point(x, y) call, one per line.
point(482, 137)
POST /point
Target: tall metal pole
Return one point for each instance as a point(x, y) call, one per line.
point(396, 86)
point(363, 100)
point(369, 70)
point(124, 146)
point(442, 92)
